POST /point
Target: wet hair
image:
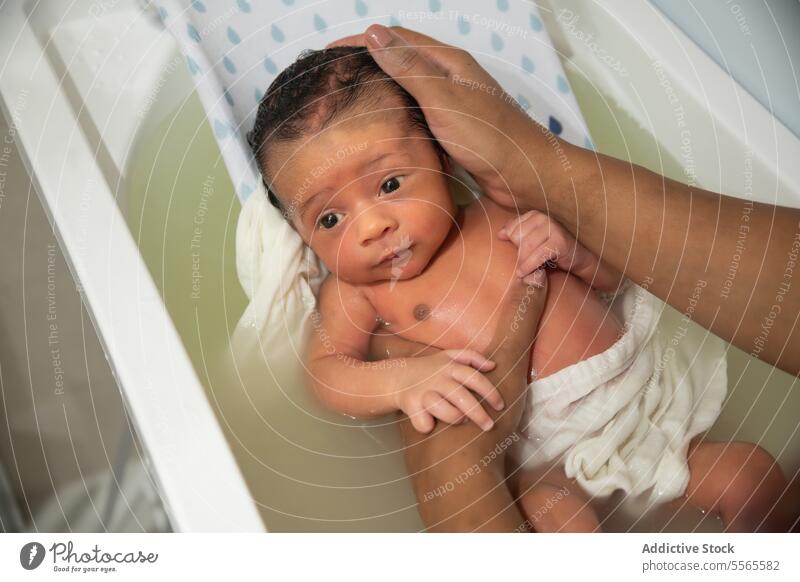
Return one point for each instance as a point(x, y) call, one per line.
point(313, 91)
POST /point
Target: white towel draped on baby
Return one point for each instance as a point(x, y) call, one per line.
point(624, 418)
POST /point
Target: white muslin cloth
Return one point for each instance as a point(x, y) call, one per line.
point(623, 419)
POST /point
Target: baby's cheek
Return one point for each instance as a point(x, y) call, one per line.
point(351, 266)
point(434, 220)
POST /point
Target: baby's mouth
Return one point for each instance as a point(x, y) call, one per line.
point(398, 257)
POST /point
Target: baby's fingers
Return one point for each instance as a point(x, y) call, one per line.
point(512, 225)
point(471, 358)
point(461, 398)
point(479, 384)
point(536, 259)
point(441, 408)
point(518, 228)
point(420, 418)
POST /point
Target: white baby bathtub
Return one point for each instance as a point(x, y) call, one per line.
point(130, 176)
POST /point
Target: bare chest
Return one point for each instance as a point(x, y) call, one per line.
point(455, 302)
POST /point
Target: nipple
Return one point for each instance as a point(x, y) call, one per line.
point(421, 311)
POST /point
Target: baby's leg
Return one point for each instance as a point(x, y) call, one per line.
point(743, 483)
point(551, 502)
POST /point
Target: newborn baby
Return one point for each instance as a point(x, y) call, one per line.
point(349, 160)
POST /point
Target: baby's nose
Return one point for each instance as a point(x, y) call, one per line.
point(374, 226)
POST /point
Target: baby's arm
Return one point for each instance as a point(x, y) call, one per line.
point(540, 239)
point(425, 387)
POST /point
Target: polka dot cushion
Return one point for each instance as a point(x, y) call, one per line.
point(235, 48)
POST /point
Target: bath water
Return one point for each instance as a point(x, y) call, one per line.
point(308, 469)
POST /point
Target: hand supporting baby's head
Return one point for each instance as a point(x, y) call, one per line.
point(347, 157)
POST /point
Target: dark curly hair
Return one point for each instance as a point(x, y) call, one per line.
point(320, 85)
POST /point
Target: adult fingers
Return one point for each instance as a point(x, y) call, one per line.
point(445, 57)
point(479, 384)
point(413, 60)
point(424, 42)
point(461, 398)
point(352, 40)
point(471, 358)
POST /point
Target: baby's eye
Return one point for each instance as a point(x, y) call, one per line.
point(330, 220)
point(391, 184)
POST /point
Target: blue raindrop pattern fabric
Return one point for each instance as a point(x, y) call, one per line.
point(234, 49)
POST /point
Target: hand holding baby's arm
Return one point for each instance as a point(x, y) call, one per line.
point(540, 239)
point(425, 387)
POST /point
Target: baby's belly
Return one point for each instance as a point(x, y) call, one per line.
point(576, 325)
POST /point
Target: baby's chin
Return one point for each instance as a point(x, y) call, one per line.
point(404, 272)
point(384, 274)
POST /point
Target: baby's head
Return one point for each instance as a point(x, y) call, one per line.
point(347, 157)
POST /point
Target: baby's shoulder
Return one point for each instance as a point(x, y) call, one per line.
point(337, 294)
point(484, 207)
point(486, 204)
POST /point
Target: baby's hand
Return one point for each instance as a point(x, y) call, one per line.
point(438, 386)
point(539, 240)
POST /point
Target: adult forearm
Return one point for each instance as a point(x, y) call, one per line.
point(726, 262)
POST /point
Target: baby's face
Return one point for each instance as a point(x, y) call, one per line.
point(367, 195)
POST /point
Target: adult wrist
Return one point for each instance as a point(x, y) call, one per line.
point(541, 170)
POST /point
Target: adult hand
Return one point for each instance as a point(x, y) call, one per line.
point(639, 222)
point(478, 124)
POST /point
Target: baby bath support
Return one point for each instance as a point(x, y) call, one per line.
point(75, 162)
